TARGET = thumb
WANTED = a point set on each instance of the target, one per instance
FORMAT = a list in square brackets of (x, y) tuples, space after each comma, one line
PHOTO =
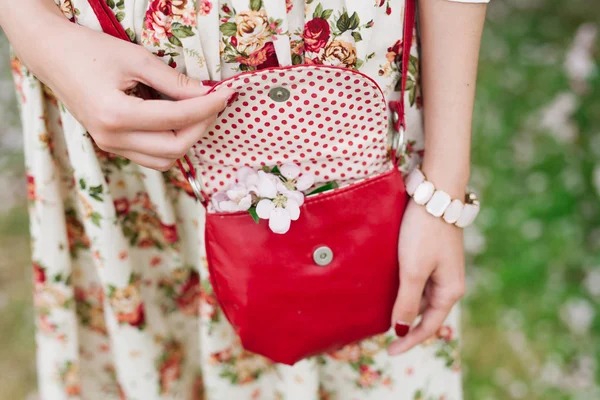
[(160, 76), (408, 303)]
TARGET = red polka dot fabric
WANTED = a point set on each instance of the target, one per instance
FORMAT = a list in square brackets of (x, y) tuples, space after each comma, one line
[(330, 121)]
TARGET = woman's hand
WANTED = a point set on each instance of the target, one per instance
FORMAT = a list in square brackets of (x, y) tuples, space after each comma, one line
[(431, 275), (90, 72)]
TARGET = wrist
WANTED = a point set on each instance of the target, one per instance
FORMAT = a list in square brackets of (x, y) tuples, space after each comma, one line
[(460, 210), (453, 177)]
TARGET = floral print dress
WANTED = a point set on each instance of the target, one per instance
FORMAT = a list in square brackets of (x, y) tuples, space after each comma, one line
[(124, 307)]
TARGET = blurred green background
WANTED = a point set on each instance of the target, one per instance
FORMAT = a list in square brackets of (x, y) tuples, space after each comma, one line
[(531, 324)]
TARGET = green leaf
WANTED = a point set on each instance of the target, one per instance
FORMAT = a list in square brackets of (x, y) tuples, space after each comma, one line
[(326, 14), (96, 218), (82, 183), (354, 21), (121, 4), (324, 188), (131, 34), (228, 29), (255, 5), (318, 11), (409, 84), (173, 40), (357, 36), (343, 23), (297, 59), (275, 170), (253, 214), (110, 3), (182, 31), (120, 16)]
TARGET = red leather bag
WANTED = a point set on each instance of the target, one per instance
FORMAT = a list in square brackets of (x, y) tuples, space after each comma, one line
[(332, 279)]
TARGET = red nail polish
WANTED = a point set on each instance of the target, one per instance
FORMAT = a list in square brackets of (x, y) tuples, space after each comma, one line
[(401, 328), (208, 82), (232, 98)]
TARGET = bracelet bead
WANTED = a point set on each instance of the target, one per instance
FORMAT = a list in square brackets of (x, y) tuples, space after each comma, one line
[(453, 211), (438, 203), (413, 180), (423, 193), (468, 215)]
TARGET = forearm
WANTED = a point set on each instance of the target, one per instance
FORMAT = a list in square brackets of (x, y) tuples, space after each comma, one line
[(450, 41), (32, 26)]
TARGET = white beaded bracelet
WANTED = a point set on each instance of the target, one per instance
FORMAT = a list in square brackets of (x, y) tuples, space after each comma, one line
[(439, 203)]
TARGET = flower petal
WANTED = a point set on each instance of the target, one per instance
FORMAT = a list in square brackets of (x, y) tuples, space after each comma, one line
[(265, 208), (237, 192), (281, 187), (280, 220), (266, 186), (246, 174), (298, 197), (293, 209), (289, 171), (245, 203), (218, 198), (228, 206), (305, 181)]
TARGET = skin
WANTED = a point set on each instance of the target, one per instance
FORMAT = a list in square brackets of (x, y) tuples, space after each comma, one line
[(430, 250), (90, 71)]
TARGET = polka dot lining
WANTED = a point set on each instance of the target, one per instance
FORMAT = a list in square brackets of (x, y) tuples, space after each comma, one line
[(334, 124)]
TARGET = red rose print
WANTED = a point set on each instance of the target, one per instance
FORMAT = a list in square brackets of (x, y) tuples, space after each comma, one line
[(263, 58), (388, 10), (205, 7), (234, 41), (189, 295), (30, 187), (316, 34), (135, 319), (122, 205), (170, 233), (226, 9), (39, 274)]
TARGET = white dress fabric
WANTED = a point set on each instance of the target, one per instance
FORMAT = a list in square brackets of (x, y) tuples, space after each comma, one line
[(124, 307)]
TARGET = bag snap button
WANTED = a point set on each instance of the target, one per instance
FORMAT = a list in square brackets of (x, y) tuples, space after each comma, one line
[(279, 94), (323, 256)]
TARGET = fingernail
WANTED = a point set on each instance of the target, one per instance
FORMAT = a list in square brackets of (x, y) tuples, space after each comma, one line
[(231, 99), (209, 83), (401, 328)]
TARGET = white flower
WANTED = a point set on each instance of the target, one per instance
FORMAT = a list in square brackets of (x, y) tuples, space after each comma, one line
[(247, 176), (291, 173), (236, 198), (280, 211), (267, 185)]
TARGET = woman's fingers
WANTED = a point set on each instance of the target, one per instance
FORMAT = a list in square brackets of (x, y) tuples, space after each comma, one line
[(153, 72), (444, 290), (408, 302), (156, 163), (432, 319), (128, 113), (162, 144)]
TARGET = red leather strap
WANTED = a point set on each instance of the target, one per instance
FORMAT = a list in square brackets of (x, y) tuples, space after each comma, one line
[(409, 27), (110, 25), (399, 106), (107, 19)]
